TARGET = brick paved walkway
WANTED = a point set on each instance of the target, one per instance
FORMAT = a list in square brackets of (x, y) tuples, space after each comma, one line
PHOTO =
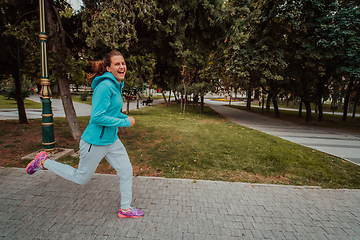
[(44, 206)]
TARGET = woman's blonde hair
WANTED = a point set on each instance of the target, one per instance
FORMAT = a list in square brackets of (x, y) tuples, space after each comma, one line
[(99, 67)]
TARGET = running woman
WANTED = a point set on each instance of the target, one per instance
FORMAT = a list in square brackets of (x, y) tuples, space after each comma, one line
[(100, 139)]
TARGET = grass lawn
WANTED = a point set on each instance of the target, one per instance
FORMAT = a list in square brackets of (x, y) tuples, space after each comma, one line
[(159, 97), (326, 106), (207, 146), (11, 104), (76, 98), (330, 120)]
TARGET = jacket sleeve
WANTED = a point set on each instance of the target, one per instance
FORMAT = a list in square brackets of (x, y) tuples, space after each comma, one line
[(100, 104), (121, 115)]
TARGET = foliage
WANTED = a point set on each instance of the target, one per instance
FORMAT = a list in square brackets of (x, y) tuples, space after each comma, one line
[(140, 71), (111, 24), (297, 48), (84, 95), (17, 42), (189, 31), (9, 90), (306, 49)]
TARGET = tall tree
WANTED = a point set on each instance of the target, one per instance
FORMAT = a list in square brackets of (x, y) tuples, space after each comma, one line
[(16, 17), (341, 39), (60, 50), (188, 33), (256, 54), (110, 25)]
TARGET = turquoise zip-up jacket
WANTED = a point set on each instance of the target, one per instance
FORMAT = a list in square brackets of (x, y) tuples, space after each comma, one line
[(106, 114)]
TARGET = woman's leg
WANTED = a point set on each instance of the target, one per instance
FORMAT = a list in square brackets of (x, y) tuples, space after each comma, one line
[(90, 156), (119, 160)]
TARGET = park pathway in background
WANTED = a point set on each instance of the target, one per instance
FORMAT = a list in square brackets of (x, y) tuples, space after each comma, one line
[(345, 145), (45, 206), (82, 109)]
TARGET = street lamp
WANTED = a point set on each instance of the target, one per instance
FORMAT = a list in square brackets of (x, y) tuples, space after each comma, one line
[(48, 139)]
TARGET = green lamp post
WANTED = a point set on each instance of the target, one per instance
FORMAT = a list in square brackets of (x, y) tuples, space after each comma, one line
[(48, 139)]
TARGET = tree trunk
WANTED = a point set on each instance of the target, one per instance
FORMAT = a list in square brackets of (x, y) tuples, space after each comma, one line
[(164, 98), (268, 100), (169, 96), (300, 108), (257, 94), (347, 98), (128, 98), (319, 93), (18, 90), (185, 101), (201, 103), (276, 108), (356, 101), (59, 45), (308, 110), (176, 100), (287, 100), (262, 103), (69, 109), (320, 107), (182, 102), (248, 101)]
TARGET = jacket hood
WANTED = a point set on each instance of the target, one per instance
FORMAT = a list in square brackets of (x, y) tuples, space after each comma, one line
[(109, 76)]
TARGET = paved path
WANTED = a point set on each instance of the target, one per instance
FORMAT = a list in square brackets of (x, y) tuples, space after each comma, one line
[(58, 110), (44, 206), (342, 144)]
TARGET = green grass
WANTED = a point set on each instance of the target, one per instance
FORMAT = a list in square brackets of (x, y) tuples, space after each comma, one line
[(330, 120), (208, 147), (160, 96), (76, 98), (11, 104), (326, 106)]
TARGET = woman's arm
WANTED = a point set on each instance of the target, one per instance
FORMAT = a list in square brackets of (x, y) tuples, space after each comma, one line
[(100, 103)]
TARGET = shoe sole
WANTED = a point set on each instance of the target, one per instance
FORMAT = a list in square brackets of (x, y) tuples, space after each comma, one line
[(36, 157), (29, 166), (124, 216)]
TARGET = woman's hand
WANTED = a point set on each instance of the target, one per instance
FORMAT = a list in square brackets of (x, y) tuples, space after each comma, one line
[(132, 121)]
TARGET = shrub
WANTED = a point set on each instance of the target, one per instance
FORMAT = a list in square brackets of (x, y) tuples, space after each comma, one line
[(84, 95)]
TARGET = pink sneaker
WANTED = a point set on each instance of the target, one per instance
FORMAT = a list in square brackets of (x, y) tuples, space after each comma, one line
[(35, 164), (133, 213)]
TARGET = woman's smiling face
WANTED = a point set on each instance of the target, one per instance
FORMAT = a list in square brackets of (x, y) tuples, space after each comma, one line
[(117, 67)]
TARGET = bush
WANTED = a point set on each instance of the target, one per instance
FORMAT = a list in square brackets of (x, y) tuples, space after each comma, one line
[(10, 93), (84, 95), (8, 89)]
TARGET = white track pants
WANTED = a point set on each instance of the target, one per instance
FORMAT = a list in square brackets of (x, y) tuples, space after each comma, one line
[(90, 157)]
